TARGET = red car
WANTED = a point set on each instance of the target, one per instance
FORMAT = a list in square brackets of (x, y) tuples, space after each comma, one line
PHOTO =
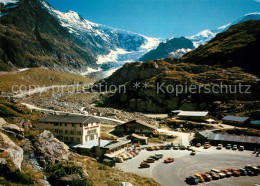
[(162, 147), (234, 172), (156, 148), (132, 153), (144, 165), (169, 160), (206, 177)]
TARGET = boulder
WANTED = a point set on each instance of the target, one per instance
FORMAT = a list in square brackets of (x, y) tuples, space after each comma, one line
[(11, 155), (13, 130), (2, 122), (49, 150), (23, 123)]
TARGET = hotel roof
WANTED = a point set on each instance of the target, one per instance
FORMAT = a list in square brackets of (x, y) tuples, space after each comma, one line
[(75, 119)]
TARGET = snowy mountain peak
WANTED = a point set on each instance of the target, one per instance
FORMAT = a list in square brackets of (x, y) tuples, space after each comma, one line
[(206, 35)]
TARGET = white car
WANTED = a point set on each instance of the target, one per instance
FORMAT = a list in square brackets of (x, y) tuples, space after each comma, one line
[(221, 175), (219, 146), (159, 155)]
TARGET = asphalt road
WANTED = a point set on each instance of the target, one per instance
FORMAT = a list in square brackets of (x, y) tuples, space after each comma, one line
[(185, 165)]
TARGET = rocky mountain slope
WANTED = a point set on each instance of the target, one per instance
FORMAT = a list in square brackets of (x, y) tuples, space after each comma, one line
[(152, 86), (28, 40), (109, 44), (175, 47), (238, 46), (162, 51)]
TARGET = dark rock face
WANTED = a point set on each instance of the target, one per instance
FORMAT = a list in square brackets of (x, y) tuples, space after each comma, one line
[(238, 46), (49, 150), (31, 37), (158, 72), (168, 49)]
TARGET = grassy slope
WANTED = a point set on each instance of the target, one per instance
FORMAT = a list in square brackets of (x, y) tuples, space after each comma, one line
[(40, 77)]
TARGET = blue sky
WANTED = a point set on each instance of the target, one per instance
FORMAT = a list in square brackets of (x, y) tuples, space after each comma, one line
[(160, 18)]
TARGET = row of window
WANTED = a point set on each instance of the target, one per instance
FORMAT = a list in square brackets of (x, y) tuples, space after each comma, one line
[(72, 132), (68, 139), (92, 131), (73, 125)]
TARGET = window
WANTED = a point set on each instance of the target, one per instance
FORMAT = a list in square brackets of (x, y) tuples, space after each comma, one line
[(66, 132), (72, 125), (65, 124), (66, 138), (56, 130), (80, 125), (71, 132), (78, 139), (60, 124), (71, 139), (55, 124), (79, 133), (60, 131)]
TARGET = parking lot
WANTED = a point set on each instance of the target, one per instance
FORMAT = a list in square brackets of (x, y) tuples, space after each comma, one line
[(186, 165)]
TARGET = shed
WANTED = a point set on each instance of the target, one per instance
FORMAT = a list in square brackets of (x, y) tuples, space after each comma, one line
[(235, 120), (193, 115), (135, 138)]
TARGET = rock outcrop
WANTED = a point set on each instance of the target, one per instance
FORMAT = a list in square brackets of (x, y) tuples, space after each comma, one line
[(11, 155), (49, 150)]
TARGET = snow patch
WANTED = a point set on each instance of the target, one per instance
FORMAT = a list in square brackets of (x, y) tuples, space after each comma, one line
[(90, 70), (6, 2)]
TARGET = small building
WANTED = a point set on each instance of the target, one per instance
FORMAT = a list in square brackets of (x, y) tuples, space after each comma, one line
[(135, 138), (99, 148), (249, 142), (235, 120), (135, 126), (255, 124), (71, 128), (193, 115)]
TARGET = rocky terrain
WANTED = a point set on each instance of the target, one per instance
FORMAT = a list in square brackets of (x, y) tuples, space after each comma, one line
[(28, 157), (207, 65), (238, 46), (175, 47), (27, 40)]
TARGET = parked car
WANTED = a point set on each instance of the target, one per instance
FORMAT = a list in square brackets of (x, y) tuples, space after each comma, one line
[(200, 178), (119, 159), (193, 153), (182, 147), (168, 147), (169, 160), (234, 172), (150, 148), (198, 145), (132, 153), (234, 147), (159, 155), (206, 177), (219, 146), (241, 148), (214, 175), (228, 146), (192, 180), (129, 155), (149, 160), (125, 157), (162, 147), (156, 148), (227, 172), (136, 152), (175, 147), (154, 157), (207, 145), (221, 175), (144, 165), (254, 169), (242, 172)]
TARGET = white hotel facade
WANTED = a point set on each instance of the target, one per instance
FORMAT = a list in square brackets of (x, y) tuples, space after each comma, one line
[(71, 128)]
